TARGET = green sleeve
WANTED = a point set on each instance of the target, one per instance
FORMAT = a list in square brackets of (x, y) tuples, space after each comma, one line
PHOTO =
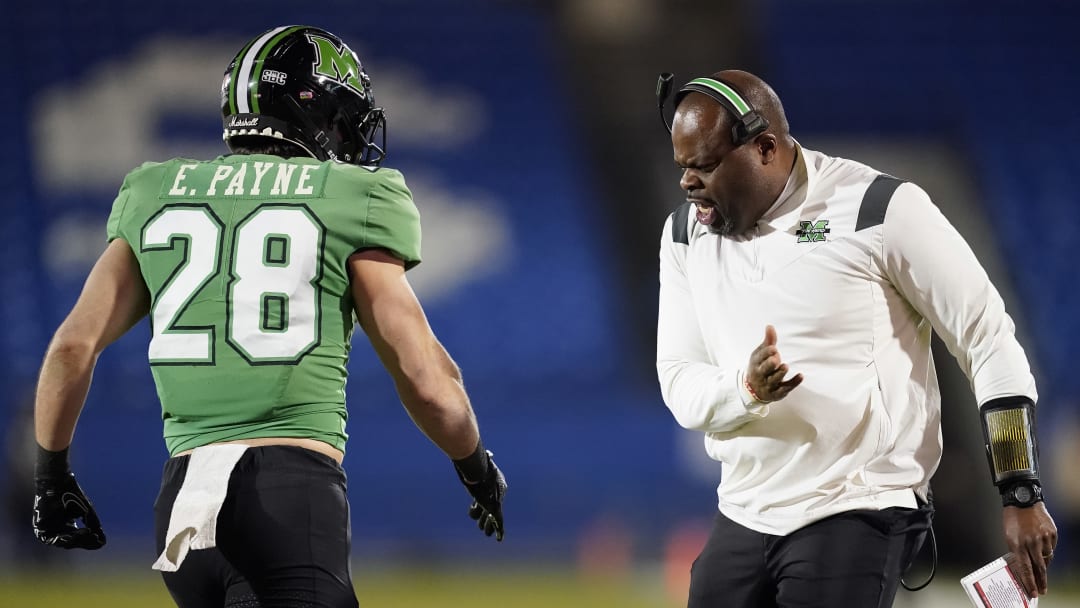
[(115, 225), (393, 221)]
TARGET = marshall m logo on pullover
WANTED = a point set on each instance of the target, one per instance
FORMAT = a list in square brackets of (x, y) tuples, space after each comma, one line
[(812, 232)]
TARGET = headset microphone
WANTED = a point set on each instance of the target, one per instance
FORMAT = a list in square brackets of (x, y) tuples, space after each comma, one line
[(663, 91)]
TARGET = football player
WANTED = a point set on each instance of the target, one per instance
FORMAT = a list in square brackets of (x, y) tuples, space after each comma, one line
[(254, 269)]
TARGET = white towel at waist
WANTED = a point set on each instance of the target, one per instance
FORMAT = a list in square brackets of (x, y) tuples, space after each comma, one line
[(193, 522)]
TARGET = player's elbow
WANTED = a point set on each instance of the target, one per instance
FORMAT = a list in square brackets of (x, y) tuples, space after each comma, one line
[(425, 384), (428, 381), (71, 345), (432, 399), (425, 389)]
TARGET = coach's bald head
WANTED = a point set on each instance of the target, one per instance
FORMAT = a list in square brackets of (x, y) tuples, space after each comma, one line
[(732, 186)]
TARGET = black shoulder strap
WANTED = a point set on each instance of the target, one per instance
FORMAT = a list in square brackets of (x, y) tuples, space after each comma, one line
[(876, 201), (679, 219)]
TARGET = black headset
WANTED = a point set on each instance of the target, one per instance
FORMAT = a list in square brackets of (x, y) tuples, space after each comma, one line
[(748, 123)]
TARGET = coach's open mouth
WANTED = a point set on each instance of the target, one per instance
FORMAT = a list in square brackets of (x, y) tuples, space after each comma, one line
[(706, 212)]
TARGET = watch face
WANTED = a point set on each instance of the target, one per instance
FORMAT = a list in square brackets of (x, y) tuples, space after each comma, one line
[(1023, 494)]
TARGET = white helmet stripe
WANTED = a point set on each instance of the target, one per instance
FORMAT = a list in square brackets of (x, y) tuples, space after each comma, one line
[(240, 87)]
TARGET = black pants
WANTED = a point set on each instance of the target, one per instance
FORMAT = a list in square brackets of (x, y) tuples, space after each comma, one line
[(283, 535), (853, 559)]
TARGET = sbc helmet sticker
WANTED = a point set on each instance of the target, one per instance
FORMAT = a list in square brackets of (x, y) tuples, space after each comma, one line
[(274, 77)]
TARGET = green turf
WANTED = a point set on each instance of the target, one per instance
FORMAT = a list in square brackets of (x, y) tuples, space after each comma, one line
[(441, 588), (414, 588)]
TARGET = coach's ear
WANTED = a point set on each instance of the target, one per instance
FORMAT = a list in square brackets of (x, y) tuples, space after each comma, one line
[(766, 147)]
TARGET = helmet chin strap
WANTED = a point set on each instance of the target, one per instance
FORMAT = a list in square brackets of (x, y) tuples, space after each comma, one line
[(375, 117), (321, 137)]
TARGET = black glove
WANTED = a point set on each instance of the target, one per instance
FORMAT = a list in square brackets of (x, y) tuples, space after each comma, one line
[(487, 493), (59, 502)]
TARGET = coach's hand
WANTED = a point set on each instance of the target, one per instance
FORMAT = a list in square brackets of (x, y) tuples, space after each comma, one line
[(1031, 536), (487, 492), (59, 503), (765, 372)]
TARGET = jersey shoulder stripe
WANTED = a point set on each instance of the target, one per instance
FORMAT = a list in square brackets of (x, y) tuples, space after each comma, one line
[(875, 201), (680, 230)]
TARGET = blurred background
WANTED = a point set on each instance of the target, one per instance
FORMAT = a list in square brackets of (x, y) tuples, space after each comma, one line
[(529, 134)]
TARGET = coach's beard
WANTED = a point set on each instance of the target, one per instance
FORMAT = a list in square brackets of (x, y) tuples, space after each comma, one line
[(723, 226), (709, 215)]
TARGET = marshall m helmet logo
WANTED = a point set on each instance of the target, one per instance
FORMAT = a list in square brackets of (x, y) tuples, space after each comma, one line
[(812, 232), (335, 63)]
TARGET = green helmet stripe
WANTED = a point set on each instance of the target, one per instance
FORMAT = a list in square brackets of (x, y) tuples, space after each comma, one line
[(728, 93), (235, 73), (258, 66), (242, 81)]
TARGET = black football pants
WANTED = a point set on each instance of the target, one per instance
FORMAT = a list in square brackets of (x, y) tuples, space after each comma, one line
[(283, 535), (851, 559)]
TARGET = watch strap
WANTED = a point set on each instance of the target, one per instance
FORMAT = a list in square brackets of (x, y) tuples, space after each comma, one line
[(1009, 498)]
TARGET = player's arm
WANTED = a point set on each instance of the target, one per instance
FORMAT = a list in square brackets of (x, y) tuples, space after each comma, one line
[(427, 379), (936, 271), (113, 299), (700, 395)]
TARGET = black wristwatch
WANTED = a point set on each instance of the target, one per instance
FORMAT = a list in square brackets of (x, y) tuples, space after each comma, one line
[(1022, 494)]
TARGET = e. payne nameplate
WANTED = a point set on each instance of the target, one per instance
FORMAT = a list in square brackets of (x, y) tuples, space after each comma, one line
[(995, 586)]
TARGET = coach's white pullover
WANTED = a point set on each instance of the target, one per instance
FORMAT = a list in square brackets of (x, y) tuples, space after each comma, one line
[(853, 268)]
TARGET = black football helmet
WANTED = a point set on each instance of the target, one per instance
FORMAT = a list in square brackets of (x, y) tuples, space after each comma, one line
[(303, 85)]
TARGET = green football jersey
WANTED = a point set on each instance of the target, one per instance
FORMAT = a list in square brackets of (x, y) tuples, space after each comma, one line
[(251, 312)]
